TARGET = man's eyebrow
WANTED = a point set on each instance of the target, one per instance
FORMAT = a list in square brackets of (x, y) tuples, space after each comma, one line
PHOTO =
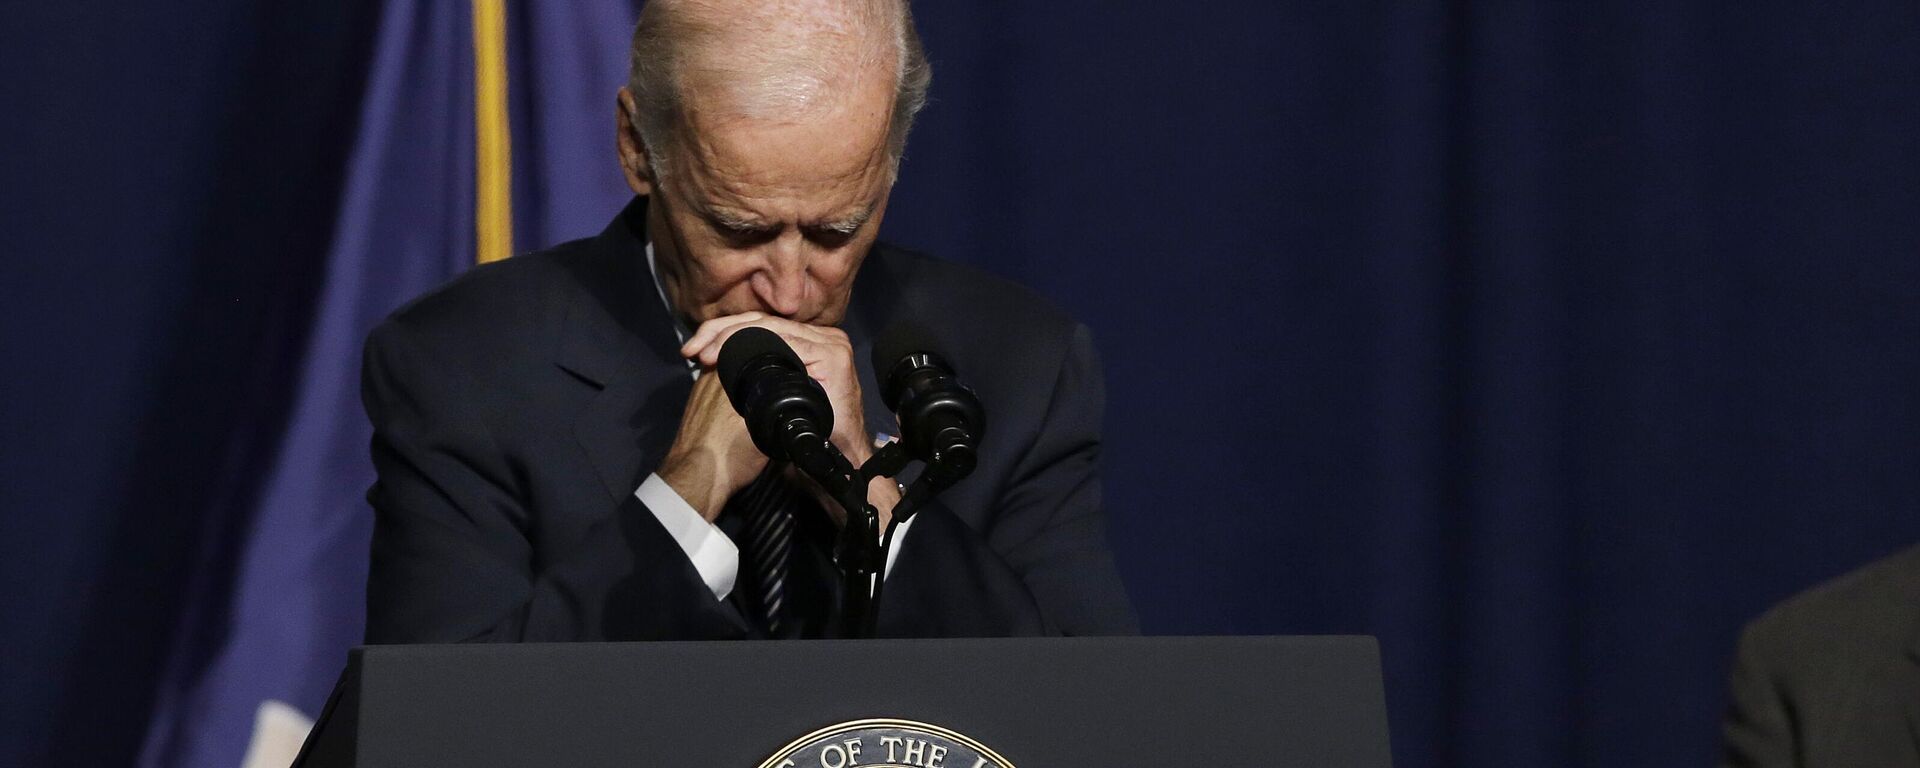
[(850, 223), (727, 218)]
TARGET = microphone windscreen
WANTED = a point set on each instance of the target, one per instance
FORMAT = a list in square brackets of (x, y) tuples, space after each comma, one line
[(743, 347)]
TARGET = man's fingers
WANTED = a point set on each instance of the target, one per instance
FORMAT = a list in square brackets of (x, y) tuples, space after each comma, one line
[(713, 334), (711, 329), (715, 330), (709, 353)]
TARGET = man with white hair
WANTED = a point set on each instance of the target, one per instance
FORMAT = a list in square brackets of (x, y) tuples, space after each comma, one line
[(553, 465)]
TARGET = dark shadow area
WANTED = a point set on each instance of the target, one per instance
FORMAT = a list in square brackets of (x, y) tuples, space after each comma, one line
[(271, 134)]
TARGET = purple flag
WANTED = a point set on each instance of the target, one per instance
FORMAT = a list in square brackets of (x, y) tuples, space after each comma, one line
[(257, 657), (279, 632), (568, 60)]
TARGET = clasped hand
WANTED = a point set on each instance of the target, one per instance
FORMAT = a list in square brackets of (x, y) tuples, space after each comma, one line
[(713, 456)]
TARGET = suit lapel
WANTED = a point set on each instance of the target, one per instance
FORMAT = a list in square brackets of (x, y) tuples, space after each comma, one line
[(618, 338), (628, 426)]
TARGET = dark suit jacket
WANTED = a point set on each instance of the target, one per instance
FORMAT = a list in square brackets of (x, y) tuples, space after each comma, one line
[(516, 410), (1832, 676)]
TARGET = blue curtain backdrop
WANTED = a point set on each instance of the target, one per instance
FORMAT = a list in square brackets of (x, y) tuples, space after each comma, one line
[(1548, 342)]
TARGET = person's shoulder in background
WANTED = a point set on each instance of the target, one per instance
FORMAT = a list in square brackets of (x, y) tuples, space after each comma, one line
[(1875, 608), (1831, 675)]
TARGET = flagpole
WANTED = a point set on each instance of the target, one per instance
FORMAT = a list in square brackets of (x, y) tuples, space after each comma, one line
[(493, 156)]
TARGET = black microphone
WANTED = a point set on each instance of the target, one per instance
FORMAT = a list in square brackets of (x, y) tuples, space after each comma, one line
[(941, 420), (787, 412), (791, 419)]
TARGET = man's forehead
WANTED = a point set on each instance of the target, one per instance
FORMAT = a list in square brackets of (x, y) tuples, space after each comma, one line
[(833, 169)]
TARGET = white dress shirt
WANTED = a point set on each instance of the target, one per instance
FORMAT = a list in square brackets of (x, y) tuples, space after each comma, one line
[(713, 554)]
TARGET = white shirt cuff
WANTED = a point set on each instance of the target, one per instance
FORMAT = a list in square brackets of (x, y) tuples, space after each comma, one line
[(713, 554), (899, 538)]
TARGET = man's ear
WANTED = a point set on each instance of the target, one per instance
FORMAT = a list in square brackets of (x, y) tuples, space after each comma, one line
[(633, 154)]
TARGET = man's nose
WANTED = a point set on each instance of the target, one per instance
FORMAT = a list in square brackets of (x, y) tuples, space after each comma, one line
[(784, 282)]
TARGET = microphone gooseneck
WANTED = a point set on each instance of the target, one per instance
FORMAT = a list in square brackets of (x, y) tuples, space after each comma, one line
[(941, 423)]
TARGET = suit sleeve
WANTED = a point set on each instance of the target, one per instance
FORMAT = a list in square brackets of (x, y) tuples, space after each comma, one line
[(1043, 566), (452, 560), (1758, 731)]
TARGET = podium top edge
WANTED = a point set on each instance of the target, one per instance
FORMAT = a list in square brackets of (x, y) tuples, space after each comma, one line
[(1168, 642)]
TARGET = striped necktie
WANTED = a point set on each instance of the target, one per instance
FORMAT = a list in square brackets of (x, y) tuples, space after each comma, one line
[(766, 506)]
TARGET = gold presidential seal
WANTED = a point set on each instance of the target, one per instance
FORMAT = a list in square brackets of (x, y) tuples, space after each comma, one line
[(885, 743)]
